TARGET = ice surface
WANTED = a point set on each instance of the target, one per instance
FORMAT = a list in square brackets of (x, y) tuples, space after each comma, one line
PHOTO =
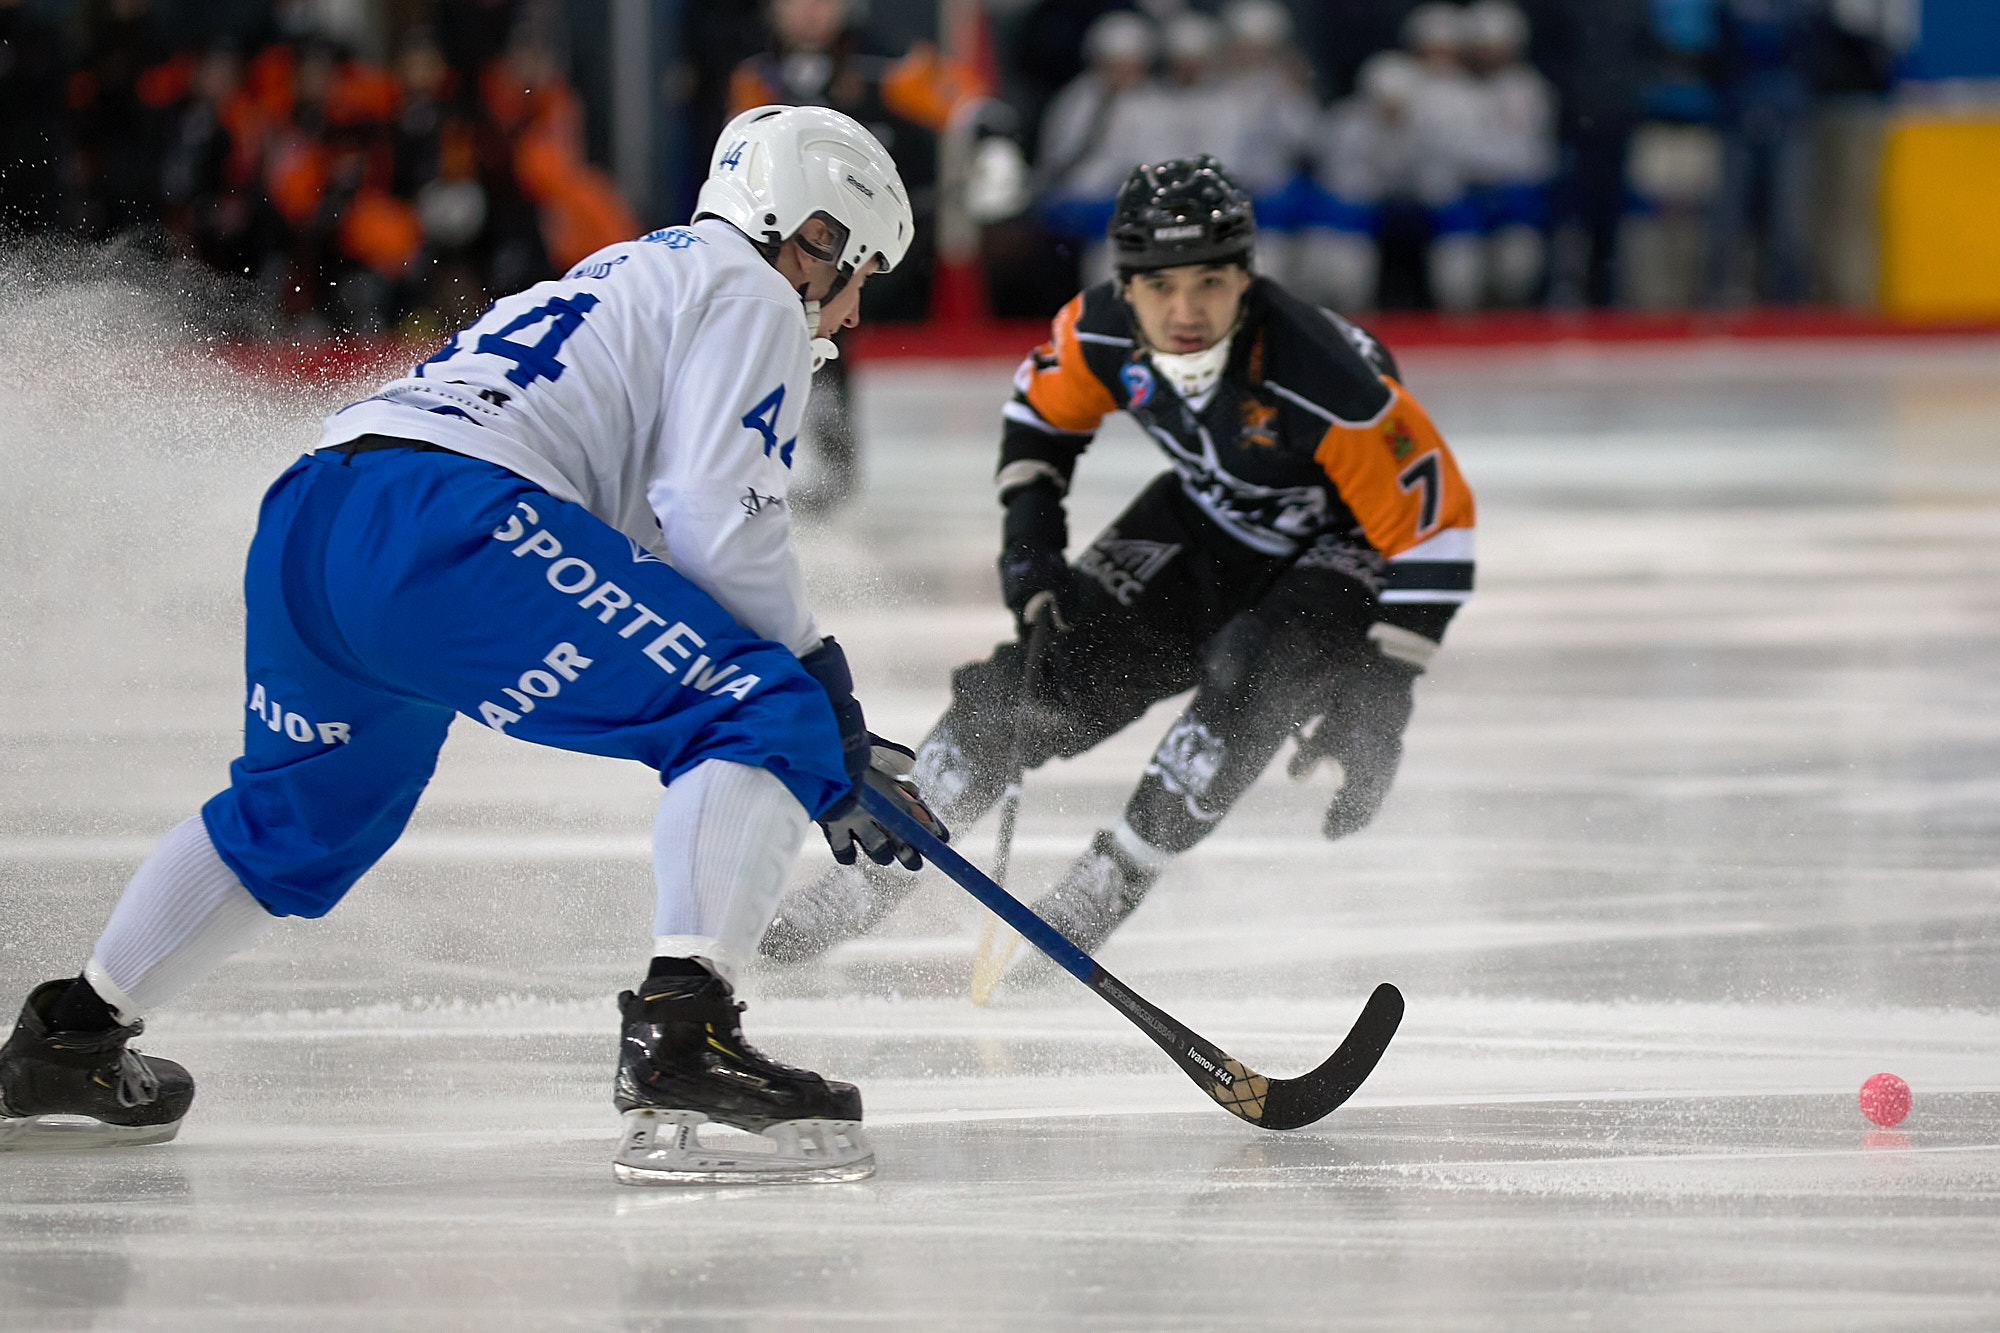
[(1697, 830)]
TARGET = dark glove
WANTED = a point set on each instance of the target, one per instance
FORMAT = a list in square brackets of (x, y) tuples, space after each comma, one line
[(1362, 731), (1031, 552), (847, 825), (827, 664)]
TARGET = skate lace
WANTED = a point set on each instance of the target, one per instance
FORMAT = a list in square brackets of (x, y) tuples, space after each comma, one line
[(732, 1031), (137, 1084)]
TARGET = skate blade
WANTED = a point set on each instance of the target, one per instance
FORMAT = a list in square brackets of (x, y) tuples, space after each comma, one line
[(77, 1133), (659, 1147)]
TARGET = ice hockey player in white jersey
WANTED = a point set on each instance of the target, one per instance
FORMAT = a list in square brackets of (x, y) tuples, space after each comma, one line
[(570, 524)]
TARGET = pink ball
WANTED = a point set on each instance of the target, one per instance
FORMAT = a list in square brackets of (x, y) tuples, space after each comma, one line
[(1885, 1099)]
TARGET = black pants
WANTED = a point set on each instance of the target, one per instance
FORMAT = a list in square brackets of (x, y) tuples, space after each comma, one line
[(1159, 596)]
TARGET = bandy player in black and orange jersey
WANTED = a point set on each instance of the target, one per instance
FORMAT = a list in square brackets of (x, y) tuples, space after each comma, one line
[(1296, 567)]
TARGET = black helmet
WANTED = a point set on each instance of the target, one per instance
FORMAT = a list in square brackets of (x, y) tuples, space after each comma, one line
[(1185, 211)]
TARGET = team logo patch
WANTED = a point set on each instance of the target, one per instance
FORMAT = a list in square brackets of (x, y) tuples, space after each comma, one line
[(1260, 430), (674, 238), (1187, 763), (1125, 565), (1138, 380)]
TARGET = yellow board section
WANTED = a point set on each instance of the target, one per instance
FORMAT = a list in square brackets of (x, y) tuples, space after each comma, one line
[(1941, 217)]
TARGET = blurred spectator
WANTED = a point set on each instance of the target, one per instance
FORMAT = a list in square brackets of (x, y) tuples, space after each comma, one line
[(1393, 178), (1114, 116), (1273, 121), (1860, 44), (1109, 112), (1514, 153), (1203, 113), (816, 59), (208, 169), (1445, 111), (578, 209), (1760, 238), (1047, 47), (34, 143), (437, 167), (1601, 56), (117, 161)]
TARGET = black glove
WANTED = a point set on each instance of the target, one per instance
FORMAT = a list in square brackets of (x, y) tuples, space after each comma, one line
[(847, 825), (1031, 552), (827, 664), (1362, 730)]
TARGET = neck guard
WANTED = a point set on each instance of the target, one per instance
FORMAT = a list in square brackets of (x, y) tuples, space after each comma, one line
[(1195, 374)]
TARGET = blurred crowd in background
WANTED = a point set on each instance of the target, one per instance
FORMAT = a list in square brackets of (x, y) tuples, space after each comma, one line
[(377, 165), (349, 194), (1488, 154)]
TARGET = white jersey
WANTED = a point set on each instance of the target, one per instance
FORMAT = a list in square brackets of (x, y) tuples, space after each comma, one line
[(660, 384)]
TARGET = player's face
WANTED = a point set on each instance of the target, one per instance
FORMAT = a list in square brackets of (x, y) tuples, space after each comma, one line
[(1189, 308), (844, 310)]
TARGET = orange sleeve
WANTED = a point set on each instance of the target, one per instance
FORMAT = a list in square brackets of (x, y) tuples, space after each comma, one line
[(925, 88), (747, 90), (1057, 382), (1397, 475), (165, 84)]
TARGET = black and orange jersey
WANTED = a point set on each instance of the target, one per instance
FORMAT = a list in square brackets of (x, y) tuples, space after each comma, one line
[(1309, 447)]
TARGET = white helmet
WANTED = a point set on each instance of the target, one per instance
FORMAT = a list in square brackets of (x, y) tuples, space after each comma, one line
[(776, 166)]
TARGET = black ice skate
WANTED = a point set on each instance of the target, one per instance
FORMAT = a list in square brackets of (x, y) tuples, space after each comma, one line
[(684, 1063), (841, 904), (63, 1090)]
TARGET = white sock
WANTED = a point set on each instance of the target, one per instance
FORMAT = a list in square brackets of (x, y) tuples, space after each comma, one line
[(723, 842), (181, 916)]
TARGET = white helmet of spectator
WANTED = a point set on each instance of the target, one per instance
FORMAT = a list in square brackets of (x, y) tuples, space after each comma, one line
[(1434, 27), (1389, 78), (776, 166), (1496, 25), (1263, 25), (1193, 38), (1121, 37)]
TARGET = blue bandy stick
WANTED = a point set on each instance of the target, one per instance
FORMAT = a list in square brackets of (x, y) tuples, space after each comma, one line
[(1271, 1103)]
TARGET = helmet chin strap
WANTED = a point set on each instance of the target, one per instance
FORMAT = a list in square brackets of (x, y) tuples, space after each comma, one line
[(823, 349)]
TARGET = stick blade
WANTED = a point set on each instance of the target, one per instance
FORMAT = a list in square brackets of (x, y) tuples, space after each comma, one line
[(1292, 1103)]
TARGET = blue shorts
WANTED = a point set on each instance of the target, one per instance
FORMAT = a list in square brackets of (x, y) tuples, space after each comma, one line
[(387, 591)]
